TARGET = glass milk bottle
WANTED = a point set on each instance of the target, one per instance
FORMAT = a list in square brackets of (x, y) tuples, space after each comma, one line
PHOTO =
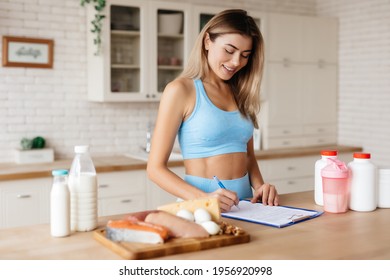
[(321, 163), (363, 193), (83, 191), (60, 204)]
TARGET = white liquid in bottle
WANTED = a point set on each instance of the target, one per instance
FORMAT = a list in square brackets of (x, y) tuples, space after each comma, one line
[(83, 191), (83, 202), (60, 205)]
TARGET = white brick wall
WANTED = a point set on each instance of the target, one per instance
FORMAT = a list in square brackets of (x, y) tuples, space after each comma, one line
[(364, 74), (53, 102)]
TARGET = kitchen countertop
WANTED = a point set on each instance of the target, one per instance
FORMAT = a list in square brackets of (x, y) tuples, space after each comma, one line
[(351, 235), (13, 171)]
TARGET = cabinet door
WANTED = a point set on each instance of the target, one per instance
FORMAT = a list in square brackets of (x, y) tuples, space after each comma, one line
[(157, 196), (169, 27), (24, 202), (284, 36), (121, 205), (120, 71), (284, 97), (201, 15), (320, 40), (121, 192), (289, 174), (319, 94)]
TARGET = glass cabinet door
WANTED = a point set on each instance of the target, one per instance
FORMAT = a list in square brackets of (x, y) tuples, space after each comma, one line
[(170, 30), (170, 46), (125, 34)]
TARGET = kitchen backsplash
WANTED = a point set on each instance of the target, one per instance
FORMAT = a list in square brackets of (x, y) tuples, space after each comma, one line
[(53, 102)]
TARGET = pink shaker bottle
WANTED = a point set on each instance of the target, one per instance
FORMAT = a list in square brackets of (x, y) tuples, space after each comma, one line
[(335, 177)]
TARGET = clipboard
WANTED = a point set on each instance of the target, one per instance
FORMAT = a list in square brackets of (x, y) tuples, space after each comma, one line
[(275, 216)]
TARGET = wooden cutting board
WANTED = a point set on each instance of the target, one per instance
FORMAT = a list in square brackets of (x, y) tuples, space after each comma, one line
[(139, 251)]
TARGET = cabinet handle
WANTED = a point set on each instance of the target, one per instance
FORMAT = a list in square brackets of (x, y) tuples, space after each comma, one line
[(286, 131), (286, 62), (126, 201), (103, 186), (23, 196), (290, 168), (321, 63), (291, 182), (286, 142)]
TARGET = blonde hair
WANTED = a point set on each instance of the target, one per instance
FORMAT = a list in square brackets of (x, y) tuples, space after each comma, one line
[(245, 84)]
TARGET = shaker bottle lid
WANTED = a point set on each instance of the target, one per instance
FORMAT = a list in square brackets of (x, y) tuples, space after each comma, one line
[(335, 169), (362, 155), (329, 153), (81, 149), (59, 172)]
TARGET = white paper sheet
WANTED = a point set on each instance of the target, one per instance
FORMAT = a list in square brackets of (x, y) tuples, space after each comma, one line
[(278, 216)]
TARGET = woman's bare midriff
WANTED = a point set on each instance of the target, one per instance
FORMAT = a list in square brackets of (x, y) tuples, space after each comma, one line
[(226, 166)]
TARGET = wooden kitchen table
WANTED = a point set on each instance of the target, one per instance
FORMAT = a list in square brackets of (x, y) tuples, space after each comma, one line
[(352, 235)]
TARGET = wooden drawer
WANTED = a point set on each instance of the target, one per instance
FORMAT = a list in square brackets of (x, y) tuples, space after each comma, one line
[(282, 131), (324, 129), (121, 183), (276, 169), (283, 142), (24, 202), (320, 140), (294, 185), (121, 205)]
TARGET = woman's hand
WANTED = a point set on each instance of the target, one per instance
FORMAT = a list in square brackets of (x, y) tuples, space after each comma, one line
[(267, 194), (227, 199)]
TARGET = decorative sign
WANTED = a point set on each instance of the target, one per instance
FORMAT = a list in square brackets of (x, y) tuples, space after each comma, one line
[(27, 52)]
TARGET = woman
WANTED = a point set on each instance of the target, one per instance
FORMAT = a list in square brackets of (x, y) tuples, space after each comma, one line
[(212, 107)]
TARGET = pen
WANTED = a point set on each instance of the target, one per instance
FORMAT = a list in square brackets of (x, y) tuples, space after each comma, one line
[(222, 186)]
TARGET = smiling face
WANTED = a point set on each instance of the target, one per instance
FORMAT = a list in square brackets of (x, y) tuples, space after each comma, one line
[(227, 53)]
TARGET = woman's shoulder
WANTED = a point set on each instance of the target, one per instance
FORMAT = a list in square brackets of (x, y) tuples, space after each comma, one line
[(181, 85), (181, 93)]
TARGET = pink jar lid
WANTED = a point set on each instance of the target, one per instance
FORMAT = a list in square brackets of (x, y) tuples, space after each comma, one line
[(362, 155), (329, 153), (335, 169)]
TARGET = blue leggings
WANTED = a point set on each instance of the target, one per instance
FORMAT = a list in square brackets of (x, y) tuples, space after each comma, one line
[(241, 186)]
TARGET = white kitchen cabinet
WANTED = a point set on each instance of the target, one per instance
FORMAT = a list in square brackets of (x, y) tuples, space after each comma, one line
[(289, 174), (295, 174), (300, 100), (139, 53), (284, 38), (121, 192), (24, 202), (295, 38), (157, 196)]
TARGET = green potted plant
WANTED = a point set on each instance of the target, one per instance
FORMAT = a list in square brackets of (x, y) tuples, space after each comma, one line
[(97, 22)]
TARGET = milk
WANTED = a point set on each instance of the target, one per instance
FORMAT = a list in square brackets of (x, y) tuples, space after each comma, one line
[(60, 205), (83, 209)]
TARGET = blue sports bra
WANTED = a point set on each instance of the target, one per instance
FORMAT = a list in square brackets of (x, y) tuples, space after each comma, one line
[(210, 131)]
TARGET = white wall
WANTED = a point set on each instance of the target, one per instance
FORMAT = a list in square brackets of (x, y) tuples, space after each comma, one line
[(53, 102), (364, 74)]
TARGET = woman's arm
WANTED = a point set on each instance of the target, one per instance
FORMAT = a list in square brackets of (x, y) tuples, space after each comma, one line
[(266, 192), (174, 105)]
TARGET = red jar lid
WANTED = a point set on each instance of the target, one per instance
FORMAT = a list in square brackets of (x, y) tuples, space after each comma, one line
[(362, 155), (329, 153)]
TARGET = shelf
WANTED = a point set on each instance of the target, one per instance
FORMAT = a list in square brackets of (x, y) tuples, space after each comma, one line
[(170, 67), (130, 33), (125, 66), (171, 36)]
